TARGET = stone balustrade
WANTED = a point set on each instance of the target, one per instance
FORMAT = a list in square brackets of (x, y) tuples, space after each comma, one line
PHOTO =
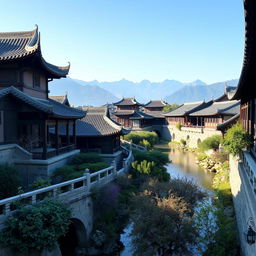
[(67, 190), (249, 165), (133, 145)]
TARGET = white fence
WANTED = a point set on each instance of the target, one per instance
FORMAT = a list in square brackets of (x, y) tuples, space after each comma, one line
[(63, 190)]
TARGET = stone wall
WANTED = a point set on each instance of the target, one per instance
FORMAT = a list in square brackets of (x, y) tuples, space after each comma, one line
[(244, 198), (192, 135), (32, 169)]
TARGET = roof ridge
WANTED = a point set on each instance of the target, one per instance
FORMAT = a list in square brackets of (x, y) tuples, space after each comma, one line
[(195, 102)]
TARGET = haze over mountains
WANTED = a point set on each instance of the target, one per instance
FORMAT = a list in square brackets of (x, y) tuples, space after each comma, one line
[(99, 93)]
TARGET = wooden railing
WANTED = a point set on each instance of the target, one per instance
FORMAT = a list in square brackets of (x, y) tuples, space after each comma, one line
[(63, 190), (131, 145)]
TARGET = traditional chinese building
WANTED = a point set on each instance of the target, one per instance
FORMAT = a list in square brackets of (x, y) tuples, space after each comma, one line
[(96, 132), (154, 106), (63, 99), (182, 114), (216, 113), (26, 110)]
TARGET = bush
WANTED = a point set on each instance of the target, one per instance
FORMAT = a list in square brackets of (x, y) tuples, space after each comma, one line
[(212, 142), (201, 157), (169, 108), (145, 144), (40, 183), (149, 168), (9, 181), (67, 172), (178, 126), (86, 158), (151, 156), (138, 136), (36, 227), (236, 139), (93, 167), (183, 142)]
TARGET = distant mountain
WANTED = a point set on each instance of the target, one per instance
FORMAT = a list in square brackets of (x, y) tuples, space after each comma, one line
[(199, 92), (99, 93), (81, 94), (143, 91)]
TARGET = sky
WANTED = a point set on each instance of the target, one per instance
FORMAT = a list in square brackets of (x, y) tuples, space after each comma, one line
[(109, 40)]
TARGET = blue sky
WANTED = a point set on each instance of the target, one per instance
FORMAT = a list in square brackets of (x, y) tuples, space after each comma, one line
[(156, 40)]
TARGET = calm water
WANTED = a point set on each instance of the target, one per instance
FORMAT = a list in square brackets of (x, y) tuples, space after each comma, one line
[(183, 166)]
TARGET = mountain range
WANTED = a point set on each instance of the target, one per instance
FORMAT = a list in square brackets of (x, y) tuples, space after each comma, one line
[(97, 93)]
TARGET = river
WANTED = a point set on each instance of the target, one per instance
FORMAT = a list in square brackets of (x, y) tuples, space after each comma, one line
[(183, 165)]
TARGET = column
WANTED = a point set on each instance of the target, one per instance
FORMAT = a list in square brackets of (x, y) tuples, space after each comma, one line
[(67, 133), (44, 139), (57, 136), (74, 132)]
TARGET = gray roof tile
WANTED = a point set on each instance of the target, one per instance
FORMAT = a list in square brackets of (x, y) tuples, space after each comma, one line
[(50, 107), (18, 45), (155, 104), (186, 108), (222, 107), (127, 102)]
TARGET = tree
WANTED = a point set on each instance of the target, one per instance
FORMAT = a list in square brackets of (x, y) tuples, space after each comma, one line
[(169, 108), (36, 227), (236, 139), (162, 218)]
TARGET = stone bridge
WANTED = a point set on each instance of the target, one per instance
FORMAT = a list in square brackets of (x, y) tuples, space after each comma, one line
[(76, 193)]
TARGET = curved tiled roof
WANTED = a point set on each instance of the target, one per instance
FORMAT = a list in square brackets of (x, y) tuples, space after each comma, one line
[(127, 102), (123, 112), (222, 107), (50, 107), (60, 98), (18, 45), (15, 45), (95, 123), (246, 85), (228, 123), (155, 104), (187, 108)]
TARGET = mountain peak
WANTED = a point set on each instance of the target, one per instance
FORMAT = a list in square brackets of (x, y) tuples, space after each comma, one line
[(197, 82)]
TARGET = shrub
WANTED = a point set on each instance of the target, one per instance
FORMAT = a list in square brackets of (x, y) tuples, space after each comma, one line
[(138, 136), (183, 142), (151, 156), (86, 158), (145, 143), (9, 181), (36, 227), (40, 183), (149, 168), (212, 142), (93, 167), (178, 126), (236, 139), (169, 108), (201, 157), (67, 172)]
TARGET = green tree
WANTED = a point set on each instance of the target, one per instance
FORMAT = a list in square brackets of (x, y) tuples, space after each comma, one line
[(36, 227), (236, 139), (170, 107), (212, 142)]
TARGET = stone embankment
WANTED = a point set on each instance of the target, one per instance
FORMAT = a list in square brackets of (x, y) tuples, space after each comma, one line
[(210, 164)]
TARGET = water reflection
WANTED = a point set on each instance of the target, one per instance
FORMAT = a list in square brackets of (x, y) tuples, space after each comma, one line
[(184, 165)]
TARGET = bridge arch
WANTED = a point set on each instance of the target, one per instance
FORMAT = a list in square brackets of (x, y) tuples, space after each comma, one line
[(76, 237)]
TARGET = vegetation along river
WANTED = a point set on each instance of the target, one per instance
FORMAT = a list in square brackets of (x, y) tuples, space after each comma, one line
[(183, 165)]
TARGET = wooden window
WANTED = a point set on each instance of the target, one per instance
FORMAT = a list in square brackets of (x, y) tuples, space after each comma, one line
[(36, 80)]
